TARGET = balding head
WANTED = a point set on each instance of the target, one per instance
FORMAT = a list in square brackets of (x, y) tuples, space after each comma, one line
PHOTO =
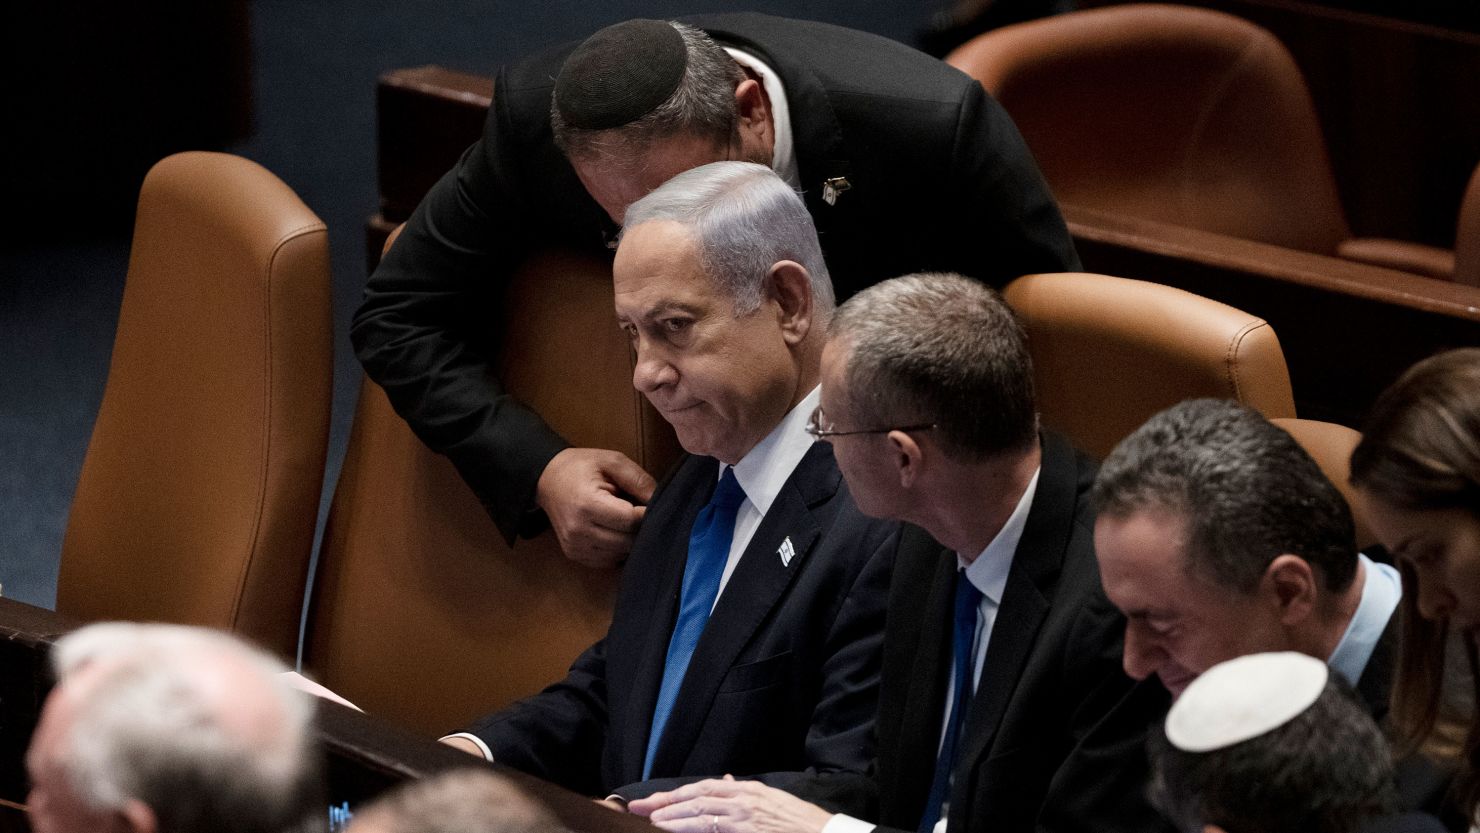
[(168, 728)]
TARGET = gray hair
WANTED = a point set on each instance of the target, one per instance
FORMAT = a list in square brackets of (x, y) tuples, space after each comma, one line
[(744, 219), (703, 104), (1247, 490), (942, 349), (154, 727), (462, 801), (1324, 771)]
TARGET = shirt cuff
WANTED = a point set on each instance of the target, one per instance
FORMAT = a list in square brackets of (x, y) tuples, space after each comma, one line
[(841, 823), (476, 741)]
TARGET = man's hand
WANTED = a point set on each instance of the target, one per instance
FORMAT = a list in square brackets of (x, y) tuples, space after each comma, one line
[(730, 806), (586, 492)]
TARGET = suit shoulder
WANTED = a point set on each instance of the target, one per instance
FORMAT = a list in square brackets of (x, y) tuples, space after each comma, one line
[(847, 62)]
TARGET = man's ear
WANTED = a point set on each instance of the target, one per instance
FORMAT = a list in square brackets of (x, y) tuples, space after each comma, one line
[(1289, 582), (753, 121), (138, 817), (908, 456), (1213, 828), (789, 285)]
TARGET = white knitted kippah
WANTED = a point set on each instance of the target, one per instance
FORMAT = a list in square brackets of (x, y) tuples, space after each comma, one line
[(1244, 698)]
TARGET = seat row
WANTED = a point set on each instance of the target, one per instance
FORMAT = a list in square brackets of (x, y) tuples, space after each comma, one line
[(200, 489)]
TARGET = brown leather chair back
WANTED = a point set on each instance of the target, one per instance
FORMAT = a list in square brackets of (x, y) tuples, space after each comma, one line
[(1467, 235), (1108, 353), (1167, 113), (200, 488), (421, 614), (1332, 445)]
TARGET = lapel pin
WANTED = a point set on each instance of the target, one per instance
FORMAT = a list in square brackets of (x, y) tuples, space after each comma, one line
[(832, 187), (786, 551)]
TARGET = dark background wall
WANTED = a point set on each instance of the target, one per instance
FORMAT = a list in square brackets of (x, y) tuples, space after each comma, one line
[(88, 87)]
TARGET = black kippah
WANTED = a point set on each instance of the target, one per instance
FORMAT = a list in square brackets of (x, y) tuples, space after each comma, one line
[(620, 74)]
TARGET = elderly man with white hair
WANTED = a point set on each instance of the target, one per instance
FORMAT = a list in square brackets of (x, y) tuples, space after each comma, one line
[(168, 729)]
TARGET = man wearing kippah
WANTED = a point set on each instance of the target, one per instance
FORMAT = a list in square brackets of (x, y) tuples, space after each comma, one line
[(905, 165), (1219, 536), (1275, 743)]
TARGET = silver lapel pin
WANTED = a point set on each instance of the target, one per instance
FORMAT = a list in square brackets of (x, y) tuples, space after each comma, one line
[(832, 187)]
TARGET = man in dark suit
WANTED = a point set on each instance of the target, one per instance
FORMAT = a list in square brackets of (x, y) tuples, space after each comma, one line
[(1218, 536), (747, 630), (905, 163), (1003, 705)]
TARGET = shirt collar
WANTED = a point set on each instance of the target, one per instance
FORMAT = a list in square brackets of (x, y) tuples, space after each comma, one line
[(989, 571), (1381, 590), (783, 153), (765, 468)]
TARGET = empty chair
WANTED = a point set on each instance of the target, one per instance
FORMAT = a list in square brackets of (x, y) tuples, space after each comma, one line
[(420, 612), (1467, 235), (1110, 352), (1460, 264), (201, 484), (1331, 446), (1168, 113)]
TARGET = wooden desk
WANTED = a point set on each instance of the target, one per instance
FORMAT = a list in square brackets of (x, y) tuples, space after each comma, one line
[(1348, 330), (365, 756)]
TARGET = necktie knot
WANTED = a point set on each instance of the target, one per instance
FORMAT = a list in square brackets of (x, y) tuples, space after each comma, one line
[(727, 495), (967, 598)]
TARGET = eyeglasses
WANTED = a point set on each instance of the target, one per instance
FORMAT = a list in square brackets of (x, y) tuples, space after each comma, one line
[(814, 427)]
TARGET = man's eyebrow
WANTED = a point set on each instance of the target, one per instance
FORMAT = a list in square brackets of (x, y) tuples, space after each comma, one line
[(664, 308)]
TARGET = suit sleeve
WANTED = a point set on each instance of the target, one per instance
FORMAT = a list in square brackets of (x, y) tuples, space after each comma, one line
[(1008, 223), (839, 743), (557, 734), (1101, 785), (422, 331)]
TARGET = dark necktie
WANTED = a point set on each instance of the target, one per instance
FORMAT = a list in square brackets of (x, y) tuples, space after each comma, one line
[(709, 549), (968, 600)]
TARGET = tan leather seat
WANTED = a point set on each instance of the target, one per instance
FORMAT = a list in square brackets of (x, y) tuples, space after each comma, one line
[(201, 484), (1108, 353), (1168, 113), (421, 614), (1467, 235), (1331, 446)]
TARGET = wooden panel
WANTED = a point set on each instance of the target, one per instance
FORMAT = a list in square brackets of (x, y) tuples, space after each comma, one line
[(426, 117), (1348, 330)]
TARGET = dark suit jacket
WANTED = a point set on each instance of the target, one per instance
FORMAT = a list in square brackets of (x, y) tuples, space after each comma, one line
[(784, 681), (1055, 740), (940, 180)]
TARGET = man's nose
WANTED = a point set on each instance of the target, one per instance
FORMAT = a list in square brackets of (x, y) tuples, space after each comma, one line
[(652, 371), (1141, 656)]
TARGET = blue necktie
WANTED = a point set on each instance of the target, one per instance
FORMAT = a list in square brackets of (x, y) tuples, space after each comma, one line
[(968, 600), (709, 549)]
